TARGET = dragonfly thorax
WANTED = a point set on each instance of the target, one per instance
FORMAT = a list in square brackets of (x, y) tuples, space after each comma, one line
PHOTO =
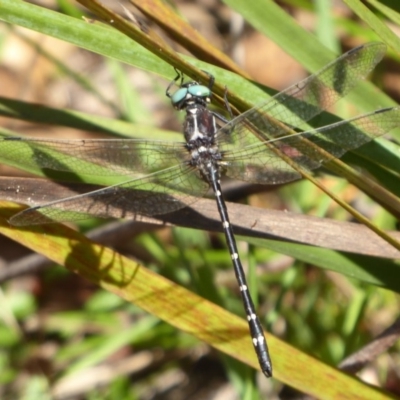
[(200, 128), (199, 123)]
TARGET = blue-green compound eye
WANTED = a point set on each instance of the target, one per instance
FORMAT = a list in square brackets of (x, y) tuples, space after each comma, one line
[(179, 95), (199, 91), (193, 91)]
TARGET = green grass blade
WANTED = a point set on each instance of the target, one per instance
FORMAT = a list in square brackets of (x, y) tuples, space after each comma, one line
[(79, 120), (372, 270), (95, 37), (375, 23), (389, 12)]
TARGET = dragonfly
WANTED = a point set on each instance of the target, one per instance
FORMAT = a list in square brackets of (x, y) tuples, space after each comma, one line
[(264, 145)]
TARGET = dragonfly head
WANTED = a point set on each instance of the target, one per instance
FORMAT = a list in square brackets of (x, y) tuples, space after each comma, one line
[(191, 93)]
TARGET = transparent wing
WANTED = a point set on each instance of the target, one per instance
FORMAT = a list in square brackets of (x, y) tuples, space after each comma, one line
[(158, 193), (304, 100), (261, 163), (104, 157)]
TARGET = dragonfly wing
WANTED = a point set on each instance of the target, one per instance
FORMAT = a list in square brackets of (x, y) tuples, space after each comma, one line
[(304, 100), (273, 161), (159, 193), (262, 164), (100, 157)]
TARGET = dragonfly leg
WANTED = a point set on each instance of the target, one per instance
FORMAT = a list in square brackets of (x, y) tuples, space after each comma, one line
[(179, 75)]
